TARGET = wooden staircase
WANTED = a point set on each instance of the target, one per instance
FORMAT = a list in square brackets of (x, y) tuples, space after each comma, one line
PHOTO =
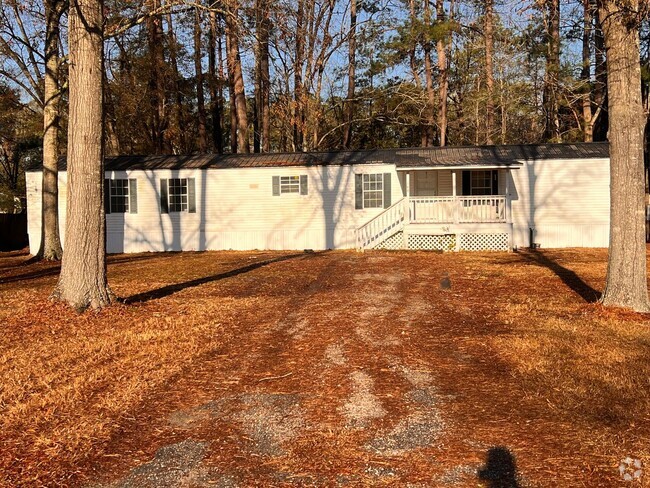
[(383, 226)]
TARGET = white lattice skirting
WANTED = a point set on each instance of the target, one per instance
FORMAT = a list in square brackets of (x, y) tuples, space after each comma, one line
[(396, 241), (484, 242), (447, 242)]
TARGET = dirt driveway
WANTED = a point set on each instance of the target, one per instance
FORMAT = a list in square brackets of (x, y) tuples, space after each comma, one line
[(345, 369)]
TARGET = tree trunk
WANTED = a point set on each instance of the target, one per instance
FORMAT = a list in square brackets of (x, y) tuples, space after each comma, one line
[(113, 147), (236, 78), (441, 48), (50, 248), (489, 69), (82, 282), (261, 123), (156, 80), (551, 95), (600, 86), (626, 284), (429, 131), (178, 96), (298, 117), (414, 43), (265, 79), (200, 99), (214, 83), (352, 65), (257, 81), (585, 74)]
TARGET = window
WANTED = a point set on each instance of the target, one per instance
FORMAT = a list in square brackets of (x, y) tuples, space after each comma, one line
[(373, 191), (120, 196), (481, 183), (296, 184), (289, 184), (178, 195)]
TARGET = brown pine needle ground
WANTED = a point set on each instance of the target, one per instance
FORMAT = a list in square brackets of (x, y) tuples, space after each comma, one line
[(324, 369)]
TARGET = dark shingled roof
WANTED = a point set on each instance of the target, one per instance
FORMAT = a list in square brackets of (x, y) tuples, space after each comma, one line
[(402, 158)]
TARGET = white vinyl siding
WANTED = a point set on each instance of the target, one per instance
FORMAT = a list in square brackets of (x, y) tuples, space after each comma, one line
[(565, 202), (235, 209)]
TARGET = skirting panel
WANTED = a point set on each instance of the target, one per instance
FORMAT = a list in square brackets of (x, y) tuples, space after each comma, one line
[(484, 242), (446, 242), (396, 241)]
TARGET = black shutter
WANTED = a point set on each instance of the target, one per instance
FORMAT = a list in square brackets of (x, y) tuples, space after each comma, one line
[(358, 191), (387, 190), (164, 200), (276, 186), (303, 185), (133, 196), (467, 183), (495, 182), (191, 195), (107, 196)]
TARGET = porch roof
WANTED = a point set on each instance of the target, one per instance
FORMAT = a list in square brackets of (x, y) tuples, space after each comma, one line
[(497, 156), (408, 158)]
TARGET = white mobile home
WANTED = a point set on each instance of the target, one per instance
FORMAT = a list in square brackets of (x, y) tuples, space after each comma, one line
[(451, 198)]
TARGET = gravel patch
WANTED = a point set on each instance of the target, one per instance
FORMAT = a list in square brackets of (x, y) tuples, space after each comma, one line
[(299, 328), (335, 354), (363, 405), (175, 465), (370, 339), (461, 474), (413, 432), (417, 378), (381, 471), (271, 420)]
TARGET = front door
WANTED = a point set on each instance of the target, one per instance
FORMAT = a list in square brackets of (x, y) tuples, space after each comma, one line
[(425, 183)]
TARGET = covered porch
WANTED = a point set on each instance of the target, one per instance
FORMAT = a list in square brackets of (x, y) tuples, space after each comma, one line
[(456, 195)]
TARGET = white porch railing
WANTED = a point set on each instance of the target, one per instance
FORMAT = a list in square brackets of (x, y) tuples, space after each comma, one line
[(382, 226), (465, 209)]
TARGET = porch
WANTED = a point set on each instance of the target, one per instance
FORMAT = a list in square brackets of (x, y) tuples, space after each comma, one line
[(457, 209), (449, 209)]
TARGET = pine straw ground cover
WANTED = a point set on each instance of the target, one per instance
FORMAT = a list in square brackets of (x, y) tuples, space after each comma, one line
[(324, 369)]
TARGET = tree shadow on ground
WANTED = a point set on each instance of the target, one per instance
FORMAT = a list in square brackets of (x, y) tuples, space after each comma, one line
[(176, 287), (568, 277), (500, 470), (53, 268)]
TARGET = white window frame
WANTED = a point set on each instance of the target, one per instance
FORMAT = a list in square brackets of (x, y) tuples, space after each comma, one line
[(290, 185), (367, 190), (183, 204), (112, 184)]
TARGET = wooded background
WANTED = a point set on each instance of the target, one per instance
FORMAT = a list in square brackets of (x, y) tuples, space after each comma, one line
[(298, 75)]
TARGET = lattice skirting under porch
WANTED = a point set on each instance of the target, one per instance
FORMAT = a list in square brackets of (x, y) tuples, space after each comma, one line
[(396, 241), (447, 242), (484, 242)]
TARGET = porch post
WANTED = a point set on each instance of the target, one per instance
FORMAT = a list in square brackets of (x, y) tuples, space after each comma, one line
[(507, 173), (407, 212), (453, 194)]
